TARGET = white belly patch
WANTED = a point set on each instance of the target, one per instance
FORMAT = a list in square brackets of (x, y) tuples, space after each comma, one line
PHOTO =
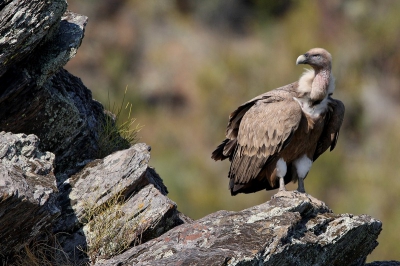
[(281, 168), (303, 165)]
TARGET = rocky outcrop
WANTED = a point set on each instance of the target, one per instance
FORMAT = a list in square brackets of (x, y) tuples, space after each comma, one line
[(28, 191), (37, 96), (291, 229), (114, 203), (118, 199), (25, 25)]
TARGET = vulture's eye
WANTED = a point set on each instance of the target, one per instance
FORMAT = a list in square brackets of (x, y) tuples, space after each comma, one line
[(317, 56)]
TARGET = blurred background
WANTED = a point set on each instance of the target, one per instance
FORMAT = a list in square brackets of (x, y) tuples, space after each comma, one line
[(188, 64)]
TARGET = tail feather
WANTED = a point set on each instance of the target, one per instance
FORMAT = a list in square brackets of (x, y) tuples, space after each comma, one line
[(230, 147), (224, 150)]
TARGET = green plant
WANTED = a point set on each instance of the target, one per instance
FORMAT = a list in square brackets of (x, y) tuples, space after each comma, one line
[(114, 132)]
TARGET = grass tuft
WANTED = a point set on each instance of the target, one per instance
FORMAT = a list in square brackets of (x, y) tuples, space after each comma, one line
[(44, 252), (115, 133), (108, 229)]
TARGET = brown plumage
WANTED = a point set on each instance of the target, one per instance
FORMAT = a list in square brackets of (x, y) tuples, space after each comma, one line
[(274, 138)]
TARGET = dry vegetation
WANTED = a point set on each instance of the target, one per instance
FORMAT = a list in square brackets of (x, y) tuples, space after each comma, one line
[(43, 251), (108, 230), (115, 126), (188, 64)]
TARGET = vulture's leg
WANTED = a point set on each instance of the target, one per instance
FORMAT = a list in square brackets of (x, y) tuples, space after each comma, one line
[(303, 165), (282, 184), (281, 169), (301, 188)]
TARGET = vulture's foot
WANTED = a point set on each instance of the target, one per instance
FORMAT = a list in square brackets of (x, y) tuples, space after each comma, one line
[(283, 194)]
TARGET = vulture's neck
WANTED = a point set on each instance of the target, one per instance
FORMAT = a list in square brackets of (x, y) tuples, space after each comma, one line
[(313, 90), (320, 84)]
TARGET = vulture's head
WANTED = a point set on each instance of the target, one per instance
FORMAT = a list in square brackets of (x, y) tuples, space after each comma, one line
[(318, 58)]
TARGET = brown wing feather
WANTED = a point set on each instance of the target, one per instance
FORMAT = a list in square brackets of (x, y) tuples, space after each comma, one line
[(227, 147), (224, 150), (237, 115), (330, 134), (218, 153), (264, 131)]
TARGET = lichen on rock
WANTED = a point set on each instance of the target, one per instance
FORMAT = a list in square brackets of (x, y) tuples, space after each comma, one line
[(28, 189)]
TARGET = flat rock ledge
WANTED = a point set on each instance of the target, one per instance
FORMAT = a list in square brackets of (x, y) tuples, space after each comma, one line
[(290, 229)]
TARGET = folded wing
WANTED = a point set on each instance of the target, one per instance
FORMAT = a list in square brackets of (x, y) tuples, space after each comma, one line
[(330, 134), (227, 148), (265, 129)]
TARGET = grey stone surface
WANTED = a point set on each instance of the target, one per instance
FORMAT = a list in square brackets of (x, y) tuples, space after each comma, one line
[(291, 229), (122, 172), (37, 97), (28, 189), (61, 113), (113, 203), (24, 24), (58, 50)]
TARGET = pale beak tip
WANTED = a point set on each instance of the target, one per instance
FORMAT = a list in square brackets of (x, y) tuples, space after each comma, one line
[(301, 59)]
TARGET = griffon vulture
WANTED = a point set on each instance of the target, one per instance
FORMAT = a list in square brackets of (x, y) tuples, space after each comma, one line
[(275, 137)]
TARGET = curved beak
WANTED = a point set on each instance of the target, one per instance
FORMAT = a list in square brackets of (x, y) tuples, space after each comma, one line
[(302, 59)]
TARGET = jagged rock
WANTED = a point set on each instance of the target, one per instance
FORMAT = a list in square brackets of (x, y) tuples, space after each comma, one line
[(291, 229), (71, 122), (114, 203), (36, 96), (28, 190), (45, 61), (24, 24), (62, 114)]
